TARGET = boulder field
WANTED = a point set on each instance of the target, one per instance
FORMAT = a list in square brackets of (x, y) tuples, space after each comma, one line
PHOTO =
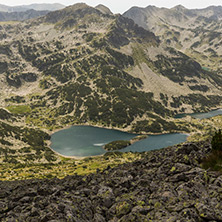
[(166, 185)]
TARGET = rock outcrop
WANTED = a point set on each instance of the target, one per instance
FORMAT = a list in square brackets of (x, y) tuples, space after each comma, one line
[(167, 185)]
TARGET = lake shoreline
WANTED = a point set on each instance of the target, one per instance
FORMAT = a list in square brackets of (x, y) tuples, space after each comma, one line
[(69, 157), (184, 115), (126, 130), (79, 151), (115, 128)]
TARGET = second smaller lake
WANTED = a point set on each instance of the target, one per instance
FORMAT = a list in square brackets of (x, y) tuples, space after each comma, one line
[(153, 142), (201, 115)]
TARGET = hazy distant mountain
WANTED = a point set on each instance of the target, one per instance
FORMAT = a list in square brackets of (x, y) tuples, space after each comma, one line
[(196, 32), (151, 16), (37, 7), (20, 16)]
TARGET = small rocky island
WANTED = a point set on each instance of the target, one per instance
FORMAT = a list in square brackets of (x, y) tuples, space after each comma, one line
[(120, 144), (117, 145)]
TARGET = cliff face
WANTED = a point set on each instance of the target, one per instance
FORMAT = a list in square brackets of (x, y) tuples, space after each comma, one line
[(165, 184)]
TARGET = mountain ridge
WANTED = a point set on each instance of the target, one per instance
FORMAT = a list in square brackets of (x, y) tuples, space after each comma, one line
[(37, 7), (195, 32), (21, 16)]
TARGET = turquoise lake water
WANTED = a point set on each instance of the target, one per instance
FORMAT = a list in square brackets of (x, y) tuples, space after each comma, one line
[(201, 115), (82, 141)]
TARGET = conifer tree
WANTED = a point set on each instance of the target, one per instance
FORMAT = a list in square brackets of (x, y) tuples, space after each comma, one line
[(217, 141)]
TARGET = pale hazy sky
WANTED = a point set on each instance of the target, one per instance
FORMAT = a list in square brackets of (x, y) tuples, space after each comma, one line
[(120, 6)]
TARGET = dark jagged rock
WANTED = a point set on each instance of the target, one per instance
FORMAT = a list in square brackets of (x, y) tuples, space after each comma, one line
[(167, 184)]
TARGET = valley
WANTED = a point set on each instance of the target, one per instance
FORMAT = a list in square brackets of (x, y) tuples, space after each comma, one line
[(86, 66), (110, 117)]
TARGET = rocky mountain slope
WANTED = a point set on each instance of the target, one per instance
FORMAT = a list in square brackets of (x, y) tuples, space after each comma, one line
[(37, 7), (84, 65), (20, 16), (195, 32), (166, 185), (103, 9)]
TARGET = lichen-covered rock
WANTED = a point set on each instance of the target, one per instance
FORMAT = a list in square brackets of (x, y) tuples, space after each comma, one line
[(163, 186)]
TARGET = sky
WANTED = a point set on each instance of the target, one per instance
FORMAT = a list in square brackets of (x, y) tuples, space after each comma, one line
[(120, 6)]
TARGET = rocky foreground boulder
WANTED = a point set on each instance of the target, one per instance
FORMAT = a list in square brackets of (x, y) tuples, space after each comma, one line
[(167, 185)]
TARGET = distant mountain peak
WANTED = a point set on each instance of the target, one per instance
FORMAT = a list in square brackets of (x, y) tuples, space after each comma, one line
[(179, 8), (79, 6), (71, 14), (103, 9), (151, 6)]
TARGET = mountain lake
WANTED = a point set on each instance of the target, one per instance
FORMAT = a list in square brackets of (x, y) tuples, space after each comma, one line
[(83, 141), (201, 115)]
